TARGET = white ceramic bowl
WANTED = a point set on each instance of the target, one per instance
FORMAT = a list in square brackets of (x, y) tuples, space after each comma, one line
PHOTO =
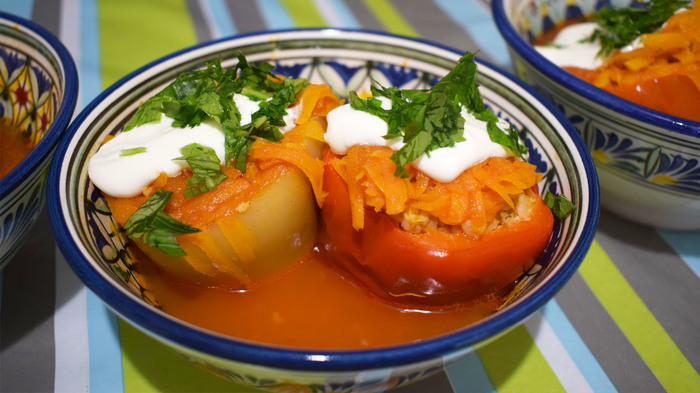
[(648, 162), (345, 60), (39, 89)]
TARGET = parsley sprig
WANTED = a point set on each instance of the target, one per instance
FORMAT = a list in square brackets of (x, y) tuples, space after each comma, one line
[(559, 204), (156, 227), (619, 27), (431, 119), (206, 169), (207, 94)]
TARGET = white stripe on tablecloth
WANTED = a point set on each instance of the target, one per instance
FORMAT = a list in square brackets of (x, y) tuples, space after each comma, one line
[(69, 33), (70, 331), (336, 14), (556, 355), (72, 361)]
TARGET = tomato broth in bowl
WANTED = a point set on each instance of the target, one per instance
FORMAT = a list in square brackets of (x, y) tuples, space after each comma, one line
[(307, 319)]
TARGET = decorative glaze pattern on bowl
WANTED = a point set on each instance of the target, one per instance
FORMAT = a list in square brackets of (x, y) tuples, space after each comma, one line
[(38, 92), (648, 162), (346, 60)]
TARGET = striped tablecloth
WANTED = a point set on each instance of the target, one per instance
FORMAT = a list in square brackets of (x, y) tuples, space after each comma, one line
[(628, 321)]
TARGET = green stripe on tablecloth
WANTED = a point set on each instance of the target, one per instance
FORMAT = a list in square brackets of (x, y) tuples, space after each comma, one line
[(515, 364), (135, 32), (390, 17), (150, 366), (304, 13), (637, 323)]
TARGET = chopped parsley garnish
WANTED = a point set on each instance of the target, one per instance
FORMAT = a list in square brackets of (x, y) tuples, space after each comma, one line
[(157, 228), (558, 204), (206, 169), (430, 119), (207, 94), (619, 27), (132, 151)]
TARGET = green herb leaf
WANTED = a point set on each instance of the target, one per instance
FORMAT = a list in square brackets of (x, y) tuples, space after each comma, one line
[(264, 123), (207, 94), (558, 204), (156, 227), (508, 139), (206, 169), (619, 27), (132, 151), (431, 119), (413, 148)]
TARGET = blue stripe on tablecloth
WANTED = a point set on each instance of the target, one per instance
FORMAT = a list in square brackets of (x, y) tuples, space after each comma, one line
[(576, 348), (218, 13), (106, 373), (477, 21), (89, 61), (686, 244), (21, 8), (337, 14), (468, 375), (275, 15)]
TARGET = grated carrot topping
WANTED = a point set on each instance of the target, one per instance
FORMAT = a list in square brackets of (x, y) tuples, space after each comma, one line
[(268, 153), (673, 50), (317, 101), (474, 197)]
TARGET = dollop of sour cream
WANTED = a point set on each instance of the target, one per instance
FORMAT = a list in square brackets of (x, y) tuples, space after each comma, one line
[(568, 48), (125, 176), (348, 127)]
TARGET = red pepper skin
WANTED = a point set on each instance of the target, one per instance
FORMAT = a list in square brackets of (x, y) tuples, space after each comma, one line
[(431, 270), (673, 94)]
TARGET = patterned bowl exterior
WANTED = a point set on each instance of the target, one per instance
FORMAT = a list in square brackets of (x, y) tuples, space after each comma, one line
[(99, 253), (648, 162), (39, 89)]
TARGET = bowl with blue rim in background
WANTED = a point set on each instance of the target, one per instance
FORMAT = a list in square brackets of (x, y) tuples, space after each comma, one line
[(39, 86), (648, 160), (101, 255)]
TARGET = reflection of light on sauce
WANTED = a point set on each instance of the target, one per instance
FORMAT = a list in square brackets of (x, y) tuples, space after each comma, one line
[(13, 147), (306, 305)]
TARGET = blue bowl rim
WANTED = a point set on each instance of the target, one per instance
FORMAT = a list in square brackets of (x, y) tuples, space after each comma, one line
[(230, 348), (45, 147), (588, 91)]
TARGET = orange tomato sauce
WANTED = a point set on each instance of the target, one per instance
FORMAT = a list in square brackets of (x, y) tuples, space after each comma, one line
[(13, 147), (307, 305)]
